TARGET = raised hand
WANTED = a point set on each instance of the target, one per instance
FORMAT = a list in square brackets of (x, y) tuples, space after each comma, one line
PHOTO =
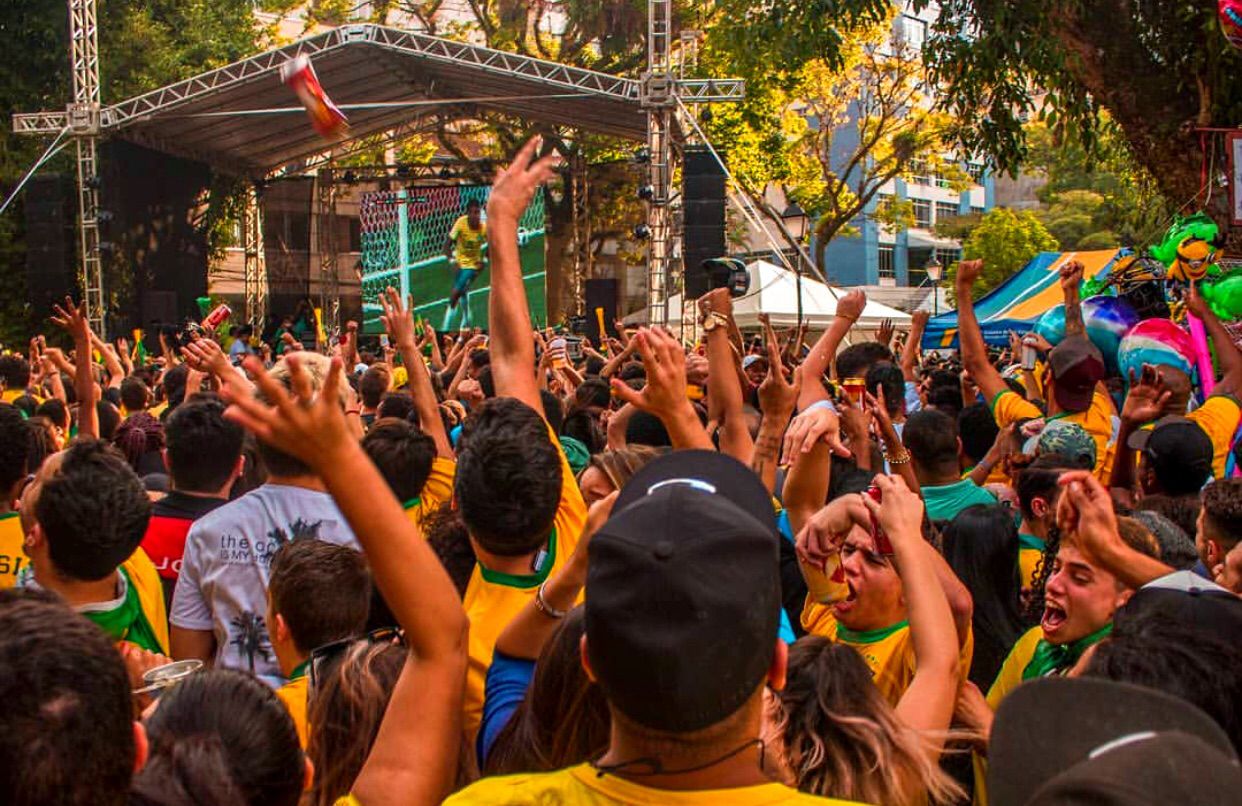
[(515, 185), (1085, 510), (1147, 397), (1195, 303), (884, 335), (967, 272), (299, 422), (810, 426), (72, 318), (919, 320), (777, 397), (851, 305), (900, 511), (665, 362), (1071, 276), (204, 355), (718, 300), (396, 318), (827, 529)]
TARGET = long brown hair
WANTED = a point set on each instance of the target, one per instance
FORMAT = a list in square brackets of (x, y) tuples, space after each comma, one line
[(841, 738), (618, 465), (563, 720)]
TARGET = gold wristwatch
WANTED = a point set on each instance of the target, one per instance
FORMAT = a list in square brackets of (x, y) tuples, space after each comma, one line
[(713, 320)]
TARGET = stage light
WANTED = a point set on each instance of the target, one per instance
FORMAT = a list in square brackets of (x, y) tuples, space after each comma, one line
[(103, 216), (642, 232), (350, 177), (106, 247), (92, 182), (646, 193), (642, 155), (403, 169)]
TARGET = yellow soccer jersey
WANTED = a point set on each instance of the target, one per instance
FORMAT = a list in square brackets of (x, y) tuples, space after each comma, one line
[(437, 491), (468, 243), (492, 598), (12, 558), (1008, 407), (293, 694), (585, 786)]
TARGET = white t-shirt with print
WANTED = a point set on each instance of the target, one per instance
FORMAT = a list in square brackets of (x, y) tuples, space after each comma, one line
[(224, 573)]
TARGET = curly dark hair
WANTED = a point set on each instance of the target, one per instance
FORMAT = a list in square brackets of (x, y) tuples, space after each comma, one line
[(14, 447), (1222, 511)]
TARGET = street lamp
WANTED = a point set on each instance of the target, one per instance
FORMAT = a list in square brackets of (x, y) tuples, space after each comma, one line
[(795, 221), (934, 270)]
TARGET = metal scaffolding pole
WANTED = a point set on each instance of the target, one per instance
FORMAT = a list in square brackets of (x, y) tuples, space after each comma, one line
[(658, 96), (83, 119), (255, 261), (580, 189), (329, 278)]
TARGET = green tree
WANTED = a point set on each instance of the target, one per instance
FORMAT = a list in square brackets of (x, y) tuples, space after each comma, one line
[(1005, 240), (1159, 68), (834, 132)]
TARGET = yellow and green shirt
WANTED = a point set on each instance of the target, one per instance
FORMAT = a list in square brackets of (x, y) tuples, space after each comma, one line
[(293, 694), (1009, 407), (888, 652), (493, 598), (138, 614), (12, 557), (1218, 417), (584, 785), (437, 491), (469, 243)]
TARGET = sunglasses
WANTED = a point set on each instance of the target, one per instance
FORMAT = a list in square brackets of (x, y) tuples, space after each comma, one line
[(325, 658)]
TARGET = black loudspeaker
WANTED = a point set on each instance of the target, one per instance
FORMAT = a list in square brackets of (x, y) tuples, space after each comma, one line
[(600, 294), (703, 200), (51, 242)]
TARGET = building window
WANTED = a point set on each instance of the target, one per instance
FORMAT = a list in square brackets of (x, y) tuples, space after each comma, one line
[(913, 32), (921, 173), (922, 213), (976, 171), (947, 257), (887, 263), (976, 210), (946, 210)]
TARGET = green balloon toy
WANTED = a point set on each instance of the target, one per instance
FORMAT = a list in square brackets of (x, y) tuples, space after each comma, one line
[(1224, 295), (1197, 227)]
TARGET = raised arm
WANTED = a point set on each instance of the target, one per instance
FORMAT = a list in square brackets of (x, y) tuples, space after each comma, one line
[(722, 381), (400, 328), (1227, 353), (927, 705), (777, 398), (1143, 404), (412, 760), (910, 350), (437, 357), (974, 349), (1071, 279), (849, 308), (73, 319), (508, 316)]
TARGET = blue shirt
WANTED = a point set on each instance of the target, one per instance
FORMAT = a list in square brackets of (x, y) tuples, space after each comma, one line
[(946, 500)]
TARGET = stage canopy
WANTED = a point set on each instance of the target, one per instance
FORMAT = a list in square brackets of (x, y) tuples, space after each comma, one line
[(1020, 300), (774, 291), (241, 119)]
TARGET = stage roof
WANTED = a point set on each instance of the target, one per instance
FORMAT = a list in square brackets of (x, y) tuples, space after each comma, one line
[(366, 65)]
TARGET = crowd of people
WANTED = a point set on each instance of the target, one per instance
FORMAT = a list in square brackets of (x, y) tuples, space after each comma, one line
[(470, 568)]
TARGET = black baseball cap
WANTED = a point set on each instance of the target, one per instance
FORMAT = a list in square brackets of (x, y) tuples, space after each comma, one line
[(1048, 726), (1077, 367), (1188, 600), (683, 592), (1178, 452)]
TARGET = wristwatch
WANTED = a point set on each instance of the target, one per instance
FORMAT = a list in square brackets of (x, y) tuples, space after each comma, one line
[(713, 320)]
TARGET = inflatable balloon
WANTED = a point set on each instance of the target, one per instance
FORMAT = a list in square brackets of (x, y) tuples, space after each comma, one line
[(1224, 295), (1107, 320), (1155, 341), (1230, 15), (1194, 257), (1052, 325), (299, 75)]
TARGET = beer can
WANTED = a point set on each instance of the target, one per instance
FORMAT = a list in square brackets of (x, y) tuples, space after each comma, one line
[(855, 387), (216, 317), (826, 582)]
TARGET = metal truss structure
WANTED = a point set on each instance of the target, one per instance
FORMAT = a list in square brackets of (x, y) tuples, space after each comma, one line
[(254, 260), (580, 194), (329, 277), (239, 118)]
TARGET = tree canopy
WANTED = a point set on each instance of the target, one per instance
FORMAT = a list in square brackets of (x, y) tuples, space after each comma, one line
[(1005, 240)]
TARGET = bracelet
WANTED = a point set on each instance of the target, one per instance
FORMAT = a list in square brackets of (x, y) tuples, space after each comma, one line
[(902, 458), (541, 604)]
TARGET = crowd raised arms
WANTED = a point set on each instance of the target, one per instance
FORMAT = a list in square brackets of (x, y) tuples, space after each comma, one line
[(465, 567)]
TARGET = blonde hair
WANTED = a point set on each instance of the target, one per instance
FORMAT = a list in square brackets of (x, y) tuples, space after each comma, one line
[(619, 465), (313, 364), (841, 738)]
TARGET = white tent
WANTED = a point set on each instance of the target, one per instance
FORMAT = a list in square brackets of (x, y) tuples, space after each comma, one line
[(774, 291)]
